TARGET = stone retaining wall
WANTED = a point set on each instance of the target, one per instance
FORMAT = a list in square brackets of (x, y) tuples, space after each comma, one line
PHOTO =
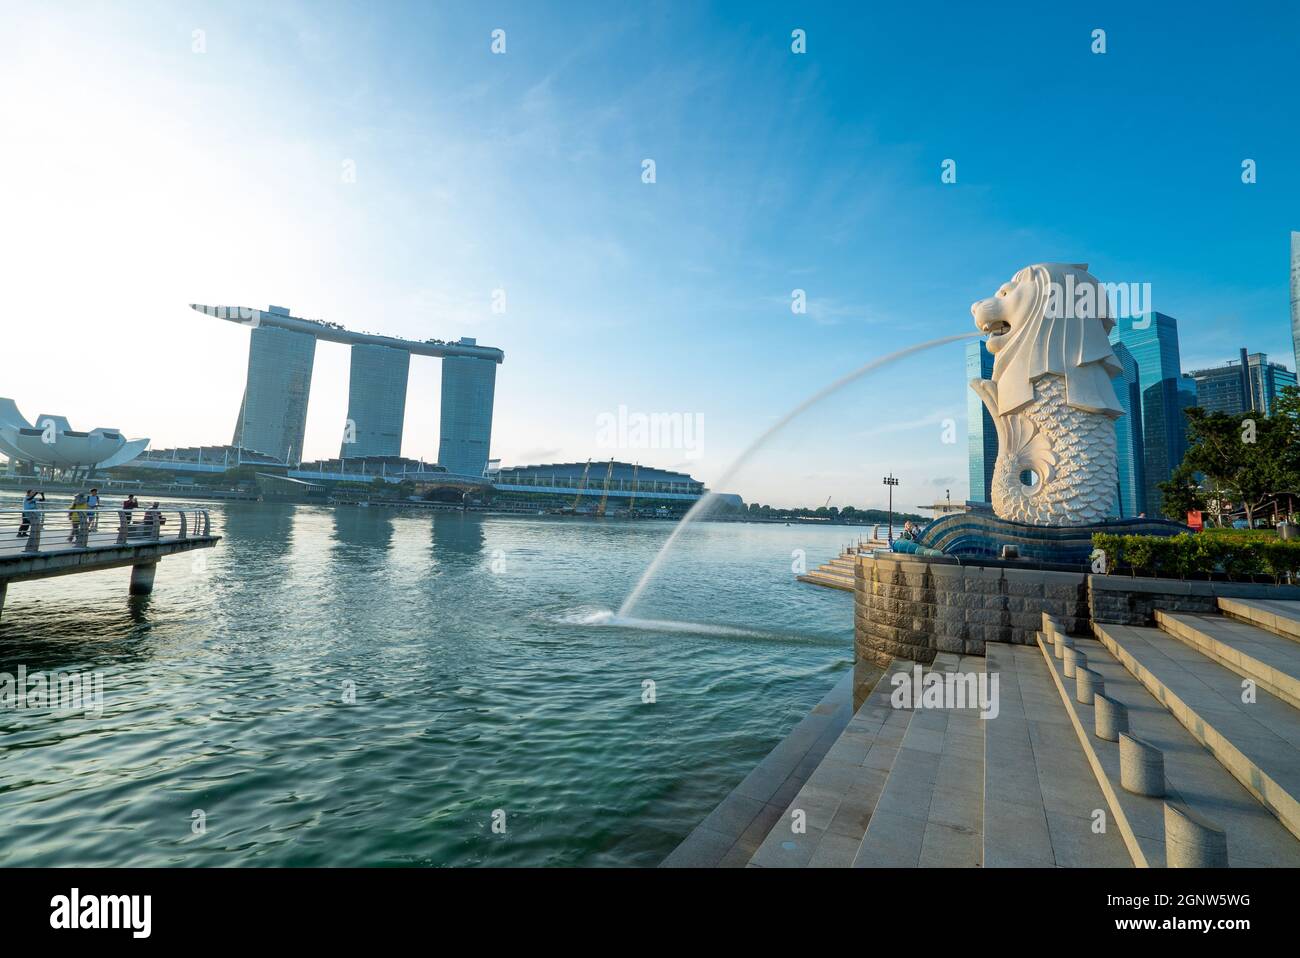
[(1124, 600), (913, 608)]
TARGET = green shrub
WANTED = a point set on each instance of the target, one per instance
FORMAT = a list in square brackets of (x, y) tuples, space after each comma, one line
[(1193, 554)]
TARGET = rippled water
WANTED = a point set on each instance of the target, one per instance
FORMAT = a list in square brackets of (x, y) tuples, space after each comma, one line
[(489, 673)]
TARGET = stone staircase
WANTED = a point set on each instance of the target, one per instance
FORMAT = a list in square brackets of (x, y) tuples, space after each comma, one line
[(838, 573), (1200, 763)]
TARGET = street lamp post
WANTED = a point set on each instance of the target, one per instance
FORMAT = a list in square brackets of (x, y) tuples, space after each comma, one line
[(890, 481)]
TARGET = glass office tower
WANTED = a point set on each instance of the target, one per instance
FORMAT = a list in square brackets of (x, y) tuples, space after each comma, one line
[(1152, 340), (465, 428), (1131, 494), (981, 435), (273, 413), (1295, 298), (1250, 383), (376, 401)]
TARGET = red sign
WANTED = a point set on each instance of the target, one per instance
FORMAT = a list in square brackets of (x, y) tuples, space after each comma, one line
[(1195, 520)]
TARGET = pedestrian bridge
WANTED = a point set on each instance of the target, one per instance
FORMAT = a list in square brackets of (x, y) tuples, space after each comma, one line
[(55, 541)]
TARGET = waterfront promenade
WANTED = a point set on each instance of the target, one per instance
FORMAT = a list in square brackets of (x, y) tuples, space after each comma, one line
[(1158, 731)]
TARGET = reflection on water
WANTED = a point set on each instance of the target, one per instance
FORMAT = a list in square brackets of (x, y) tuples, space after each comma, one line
[(359, 686)]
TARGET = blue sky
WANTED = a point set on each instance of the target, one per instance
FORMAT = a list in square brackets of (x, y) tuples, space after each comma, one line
[(139, 175)]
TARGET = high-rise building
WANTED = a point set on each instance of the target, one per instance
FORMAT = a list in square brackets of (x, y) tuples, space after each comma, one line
[(1250, 383), (465, 430), (1152, 340), (376, 401), (1131, 494), (981, 435), (273, 413), (281, 351), (1267, 380), (1295, 297)]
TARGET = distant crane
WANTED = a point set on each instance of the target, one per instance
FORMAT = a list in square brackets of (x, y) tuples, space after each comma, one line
[(604, 494), (582, 484), (631, 506)]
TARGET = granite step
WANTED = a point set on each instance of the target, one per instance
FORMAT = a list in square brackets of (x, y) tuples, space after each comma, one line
[(930, 813), (1040, 794), (1258, 742), (828, 579), (1279, 616), (1270, 660), (822, 825), (1194, 779)]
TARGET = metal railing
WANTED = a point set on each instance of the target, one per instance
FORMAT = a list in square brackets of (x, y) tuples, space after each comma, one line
[(52, 528)]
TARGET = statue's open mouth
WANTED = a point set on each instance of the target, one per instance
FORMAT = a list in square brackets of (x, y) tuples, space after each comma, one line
[(994, 327)]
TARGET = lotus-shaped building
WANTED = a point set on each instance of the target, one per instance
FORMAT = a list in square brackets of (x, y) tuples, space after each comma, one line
[(51, 443)]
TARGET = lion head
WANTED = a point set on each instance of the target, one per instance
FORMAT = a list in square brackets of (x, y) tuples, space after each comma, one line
[(1050, 319)]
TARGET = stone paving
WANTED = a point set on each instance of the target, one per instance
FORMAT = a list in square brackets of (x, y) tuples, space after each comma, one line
[(1257, 741), (1278, 616), (1194, 779), (1270, 660), (1028, 787), (1040, 795), (930, 813), (822, 825)]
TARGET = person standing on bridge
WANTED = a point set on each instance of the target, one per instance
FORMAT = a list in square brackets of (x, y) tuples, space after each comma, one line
[(153, 520), (129, 505), (31, 510), (76, 515), (92, 510)]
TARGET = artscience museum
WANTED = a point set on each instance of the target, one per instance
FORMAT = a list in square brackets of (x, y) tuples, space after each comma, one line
[(51, 446)]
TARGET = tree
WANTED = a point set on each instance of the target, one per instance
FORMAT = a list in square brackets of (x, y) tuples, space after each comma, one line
[(1243, 458), (1181, 494)]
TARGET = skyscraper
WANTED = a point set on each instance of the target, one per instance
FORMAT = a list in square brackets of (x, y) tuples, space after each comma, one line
[(981, 435), (376, 401), (282, 349), (465, 430), (1251, 383), (1152, 340), (1295, 297), (273, 413), (1131, 494)]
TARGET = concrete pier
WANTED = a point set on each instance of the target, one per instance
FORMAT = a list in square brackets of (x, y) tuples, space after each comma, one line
[(142, 577)]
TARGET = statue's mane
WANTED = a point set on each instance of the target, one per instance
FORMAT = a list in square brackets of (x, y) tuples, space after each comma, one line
[(1051, 340)]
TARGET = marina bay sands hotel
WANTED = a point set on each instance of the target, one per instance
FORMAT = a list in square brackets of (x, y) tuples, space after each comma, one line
[(282, 350)]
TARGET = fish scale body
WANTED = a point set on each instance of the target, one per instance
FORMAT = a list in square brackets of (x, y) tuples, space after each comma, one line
[(1073, 448)]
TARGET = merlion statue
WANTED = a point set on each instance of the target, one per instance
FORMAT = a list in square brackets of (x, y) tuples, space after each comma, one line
[(1051, 396)]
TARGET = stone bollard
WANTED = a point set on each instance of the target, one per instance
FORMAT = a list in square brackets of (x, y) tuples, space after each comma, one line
[(1141, 767), (1111, 718), (1193, 841), (1052, 625), (1063, 642), (1074, 659), (1087, 684)]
